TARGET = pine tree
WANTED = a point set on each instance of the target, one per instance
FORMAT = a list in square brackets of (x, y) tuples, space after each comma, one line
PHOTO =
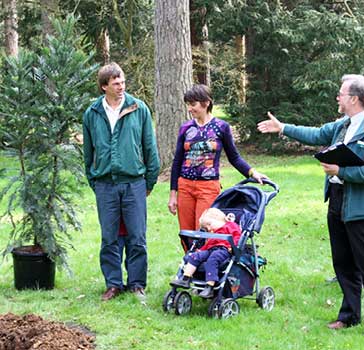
[(42, 100)]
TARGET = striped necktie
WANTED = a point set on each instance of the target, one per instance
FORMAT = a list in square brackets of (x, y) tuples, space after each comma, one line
[(340, 138), (342, 133)]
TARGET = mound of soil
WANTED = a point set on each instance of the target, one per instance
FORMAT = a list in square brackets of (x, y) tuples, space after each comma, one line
[(31, 332)]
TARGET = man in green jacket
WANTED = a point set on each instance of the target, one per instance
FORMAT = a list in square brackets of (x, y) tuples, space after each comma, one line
[(344, 187), (122, 166)]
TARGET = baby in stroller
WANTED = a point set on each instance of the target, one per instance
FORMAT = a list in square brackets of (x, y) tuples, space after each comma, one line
[(214, 252), (240, 208)]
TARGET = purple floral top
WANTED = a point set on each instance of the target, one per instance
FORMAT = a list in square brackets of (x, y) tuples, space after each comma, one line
[(198, 151)]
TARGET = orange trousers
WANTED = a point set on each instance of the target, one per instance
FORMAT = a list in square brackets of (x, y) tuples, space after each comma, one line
[(193, 198)]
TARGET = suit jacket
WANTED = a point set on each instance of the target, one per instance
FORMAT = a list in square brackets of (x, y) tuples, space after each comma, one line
[(326, 135)]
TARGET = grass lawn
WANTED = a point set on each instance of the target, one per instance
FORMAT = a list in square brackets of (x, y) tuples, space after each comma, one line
[(294, 239)]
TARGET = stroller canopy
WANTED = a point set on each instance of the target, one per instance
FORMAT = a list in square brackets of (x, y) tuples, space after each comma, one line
[(247, 203)]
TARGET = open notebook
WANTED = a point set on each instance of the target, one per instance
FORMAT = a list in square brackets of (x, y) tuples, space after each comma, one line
[(339, 154)]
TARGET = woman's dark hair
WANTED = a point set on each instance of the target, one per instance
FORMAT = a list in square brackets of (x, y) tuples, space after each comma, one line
[(199, 93)]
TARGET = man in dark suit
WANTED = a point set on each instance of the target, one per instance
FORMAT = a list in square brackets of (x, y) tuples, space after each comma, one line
[(344, 187)]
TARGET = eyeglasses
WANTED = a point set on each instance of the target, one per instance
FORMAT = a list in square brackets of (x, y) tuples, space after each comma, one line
[(340, 94)]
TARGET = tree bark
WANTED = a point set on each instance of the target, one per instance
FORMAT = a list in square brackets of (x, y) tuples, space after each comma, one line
[(49, 8), (126, 28), (173, 67), (11, 27), (240, 46), (103, 46)]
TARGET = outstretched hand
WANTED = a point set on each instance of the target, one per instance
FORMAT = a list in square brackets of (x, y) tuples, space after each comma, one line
[(270, 125)]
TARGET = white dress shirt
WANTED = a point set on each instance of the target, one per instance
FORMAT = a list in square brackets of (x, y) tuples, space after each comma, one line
[(355, 122), (112, 114)]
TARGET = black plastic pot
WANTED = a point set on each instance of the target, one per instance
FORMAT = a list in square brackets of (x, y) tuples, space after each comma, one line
[(32, 269)]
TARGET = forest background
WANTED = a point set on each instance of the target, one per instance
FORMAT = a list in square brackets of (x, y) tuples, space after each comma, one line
[(284, 56)]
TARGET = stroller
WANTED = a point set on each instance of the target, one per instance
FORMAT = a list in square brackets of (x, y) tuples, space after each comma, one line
[(239, 275)]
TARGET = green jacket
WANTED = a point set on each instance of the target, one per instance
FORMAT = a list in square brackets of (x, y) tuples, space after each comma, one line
[(126, 155), (353, 200)]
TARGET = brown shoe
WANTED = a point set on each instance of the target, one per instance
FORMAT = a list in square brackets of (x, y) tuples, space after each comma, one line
[(110, 293), (337, 325)]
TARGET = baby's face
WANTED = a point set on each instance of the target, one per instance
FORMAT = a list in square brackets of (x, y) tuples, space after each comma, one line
[(211, 224), (214, 225)]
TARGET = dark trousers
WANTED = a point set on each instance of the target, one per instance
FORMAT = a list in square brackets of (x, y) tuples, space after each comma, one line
[(213, 258), (347, 249), (129, 201)]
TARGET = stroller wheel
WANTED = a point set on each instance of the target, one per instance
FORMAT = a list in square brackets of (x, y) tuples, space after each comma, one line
[(228, 308), (213, 310), (168, 301), (182, 303), (266, 298)]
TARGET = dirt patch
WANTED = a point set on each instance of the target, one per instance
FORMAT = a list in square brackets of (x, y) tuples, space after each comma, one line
[(31, 332)]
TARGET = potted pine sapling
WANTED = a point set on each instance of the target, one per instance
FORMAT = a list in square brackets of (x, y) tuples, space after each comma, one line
[(41, 102)]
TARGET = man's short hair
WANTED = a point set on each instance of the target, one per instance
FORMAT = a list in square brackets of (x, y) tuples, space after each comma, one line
[(111, 70), (356, 87)]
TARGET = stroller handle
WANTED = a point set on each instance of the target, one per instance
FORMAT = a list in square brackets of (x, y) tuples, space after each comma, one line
[(202, 234), (265, 182)]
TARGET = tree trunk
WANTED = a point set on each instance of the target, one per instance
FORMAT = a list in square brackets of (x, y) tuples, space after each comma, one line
[(173, 66), (49, 8), (103, 46), (249, 49), (11, 27), (200, 44), (126, 28), (241, 57)]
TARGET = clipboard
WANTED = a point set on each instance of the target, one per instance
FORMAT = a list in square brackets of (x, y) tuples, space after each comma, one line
[(339, 154)]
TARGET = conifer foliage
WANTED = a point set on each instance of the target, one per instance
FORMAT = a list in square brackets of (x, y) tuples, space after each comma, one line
[(42, 97)]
